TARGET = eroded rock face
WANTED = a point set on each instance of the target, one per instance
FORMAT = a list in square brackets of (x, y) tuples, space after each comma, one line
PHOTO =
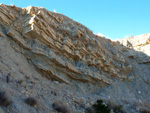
[(51, 57), (60, 48)]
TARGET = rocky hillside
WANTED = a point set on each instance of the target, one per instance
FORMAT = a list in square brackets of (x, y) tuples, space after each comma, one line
[(55, 60)]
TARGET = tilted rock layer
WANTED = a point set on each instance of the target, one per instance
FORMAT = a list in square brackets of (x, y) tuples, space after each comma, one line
[(61, 48), (37, 41)]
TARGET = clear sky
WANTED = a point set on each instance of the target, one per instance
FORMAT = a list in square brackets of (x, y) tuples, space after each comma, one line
[(113, 18)]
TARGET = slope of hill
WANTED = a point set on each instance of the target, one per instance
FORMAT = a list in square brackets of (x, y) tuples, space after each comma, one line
[(54, 59)]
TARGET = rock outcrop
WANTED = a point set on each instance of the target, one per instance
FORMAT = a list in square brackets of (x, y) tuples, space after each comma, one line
[(60, 48), (137, 47), (58, 58)]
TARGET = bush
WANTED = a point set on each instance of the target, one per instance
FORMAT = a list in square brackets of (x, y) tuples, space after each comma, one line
[(117, 108), (31, 101), (61, 107), (4, 100), (100, 107)]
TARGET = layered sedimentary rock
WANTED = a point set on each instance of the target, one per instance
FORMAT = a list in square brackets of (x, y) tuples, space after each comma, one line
[(60, 48), (49, 56)]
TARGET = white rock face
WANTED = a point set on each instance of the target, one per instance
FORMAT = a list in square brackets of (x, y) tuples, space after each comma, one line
[(51, 57)]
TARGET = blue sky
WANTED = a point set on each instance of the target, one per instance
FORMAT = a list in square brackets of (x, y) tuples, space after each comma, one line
[(113, 18)]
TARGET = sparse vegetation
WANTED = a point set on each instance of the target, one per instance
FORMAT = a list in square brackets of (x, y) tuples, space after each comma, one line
[(31, 101), (61, 107), (145, 111), (4, 100), (20, 81), (145, 108), (100, 107), (142, 107)]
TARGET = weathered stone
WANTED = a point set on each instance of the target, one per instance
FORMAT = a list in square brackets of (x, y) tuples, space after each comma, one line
[(38, 47), (67, 47), (137, 47)]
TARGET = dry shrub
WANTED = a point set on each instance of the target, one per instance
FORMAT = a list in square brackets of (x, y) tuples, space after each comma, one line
[(143, 107), (4, 99), (145, 110), (117, 108), (145, 104), (31, 101), (61, 107)]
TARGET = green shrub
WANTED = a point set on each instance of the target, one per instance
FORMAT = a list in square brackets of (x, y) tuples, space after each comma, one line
[(100, 107)]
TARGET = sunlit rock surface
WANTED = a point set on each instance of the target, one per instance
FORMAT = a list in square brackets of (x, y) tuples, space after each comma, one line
[(137, 47), (51, 57)]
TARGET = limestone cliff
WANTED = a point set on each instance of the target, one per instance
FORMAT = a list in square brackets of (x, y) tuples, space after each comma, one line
[(55, 56)]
